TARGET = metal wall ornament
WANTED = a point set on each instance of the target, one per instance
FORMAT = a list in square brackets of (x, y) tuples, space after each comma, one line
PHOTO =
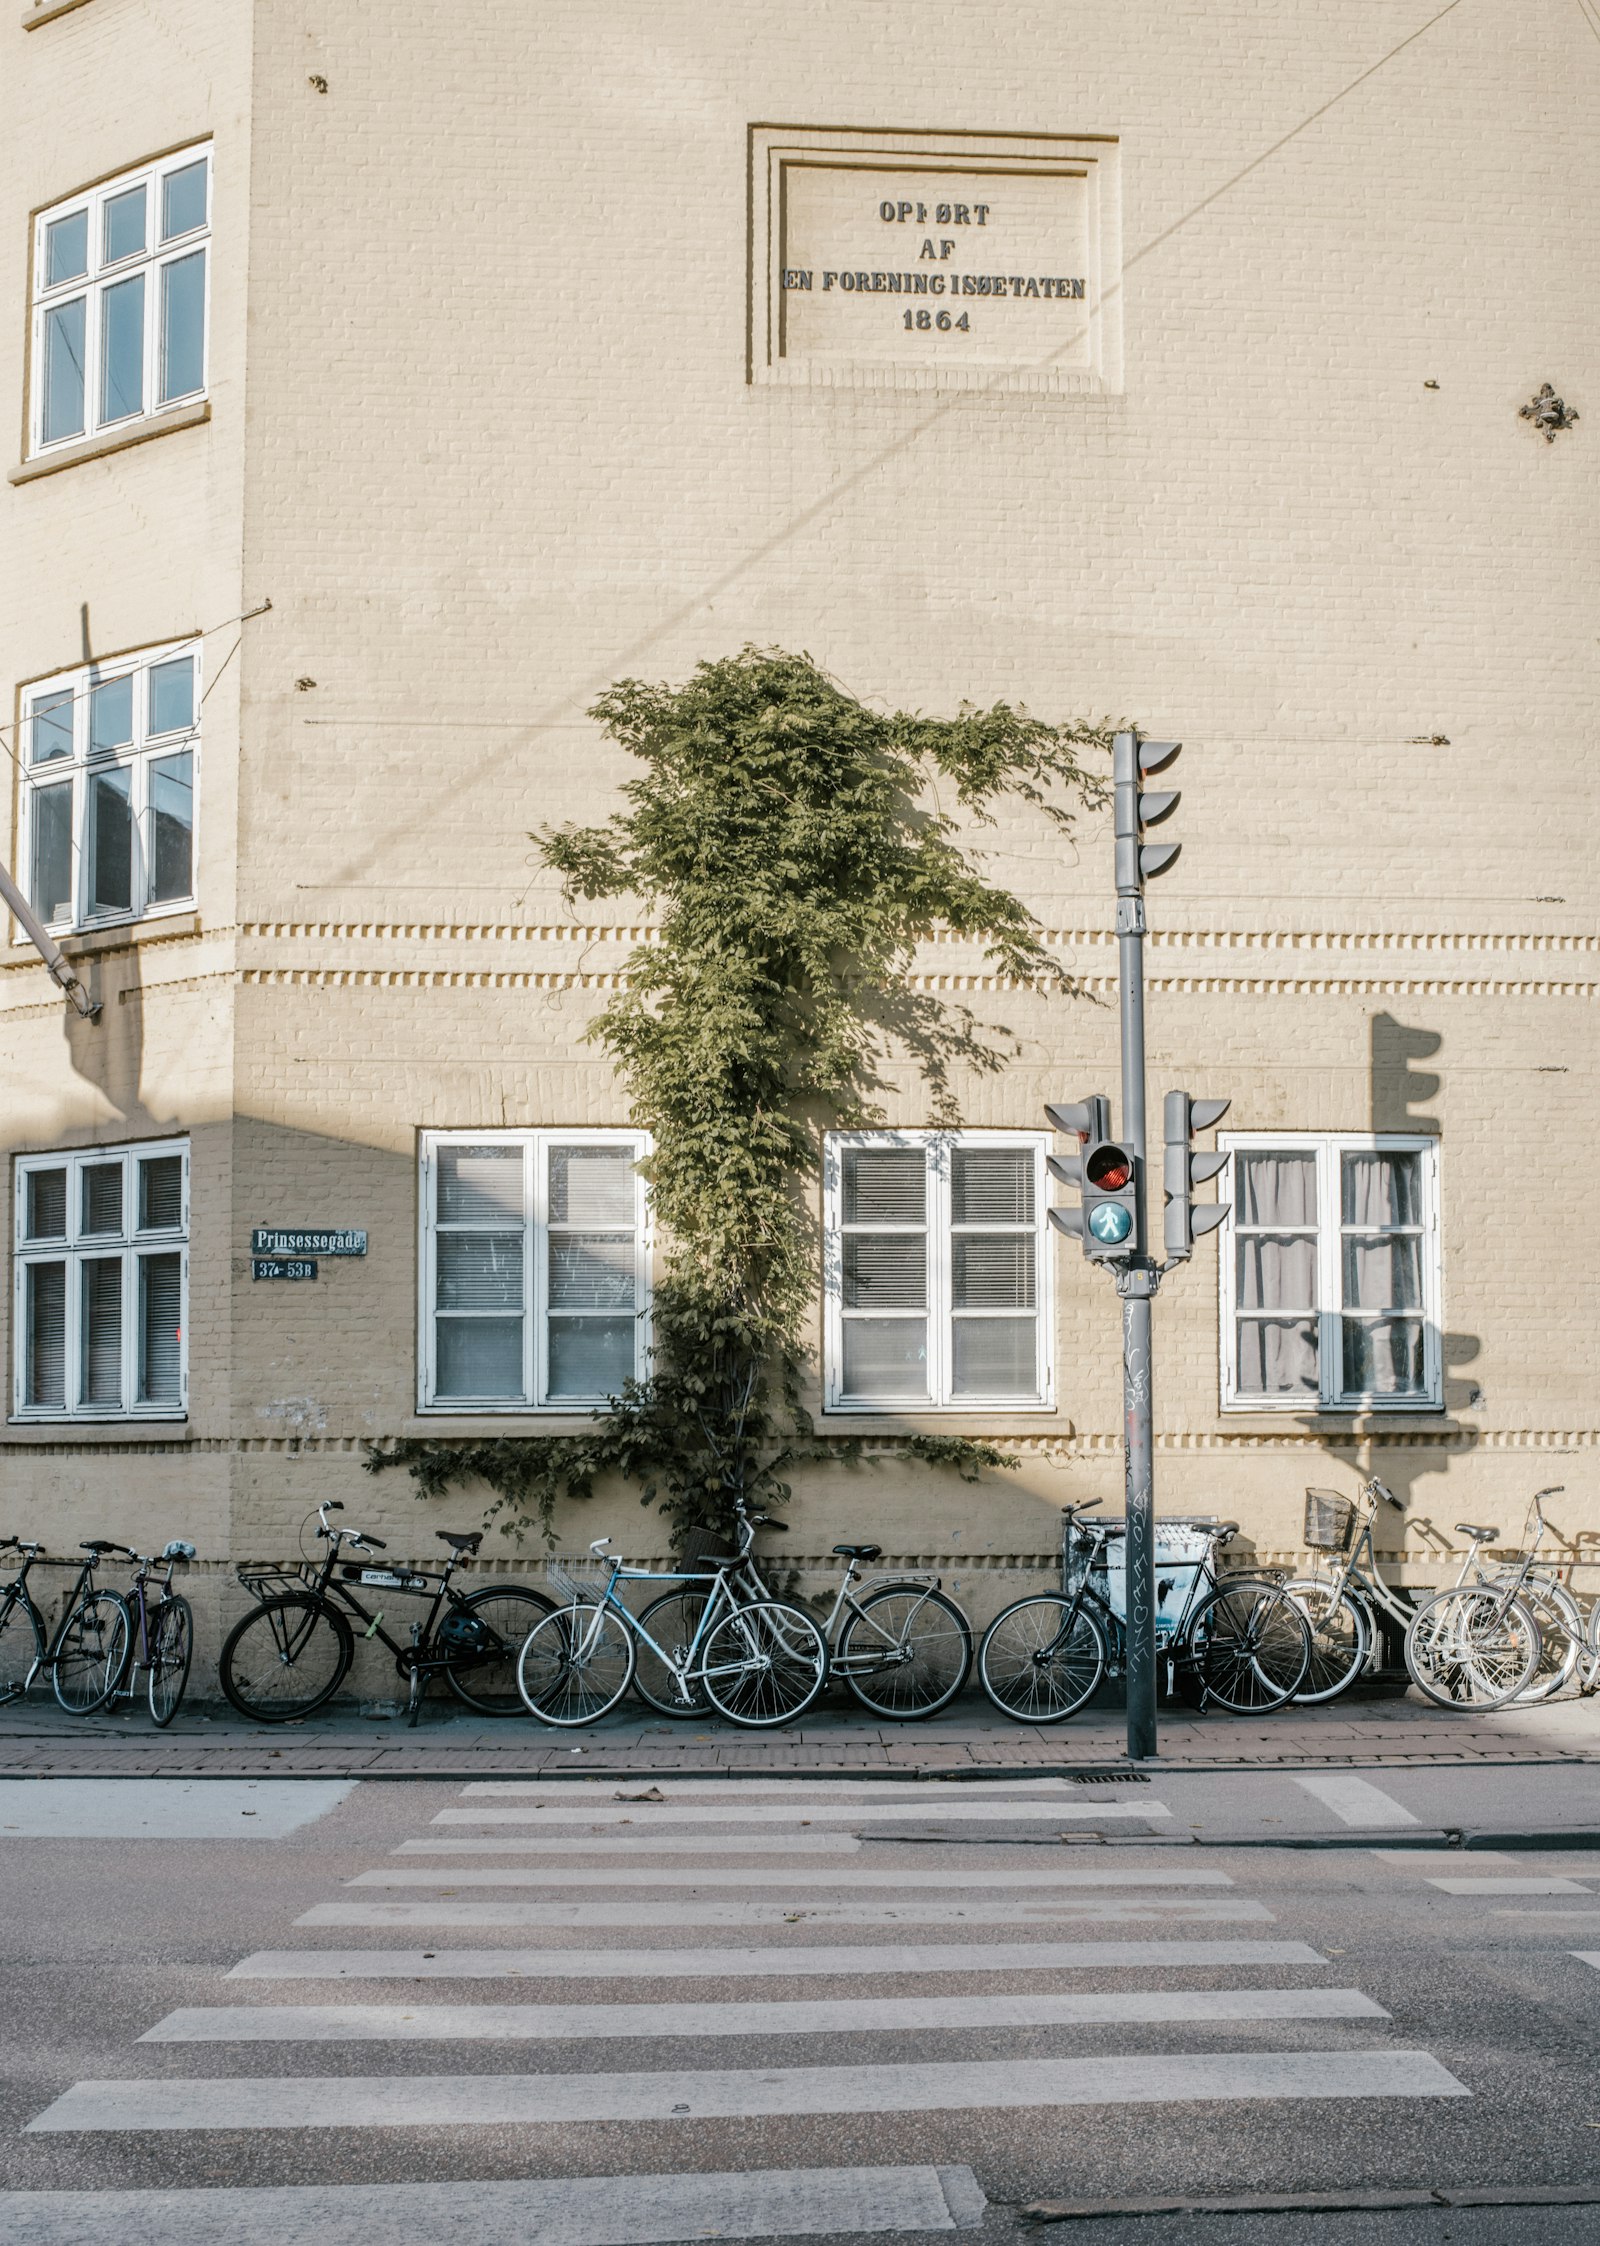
[(1548, 413)]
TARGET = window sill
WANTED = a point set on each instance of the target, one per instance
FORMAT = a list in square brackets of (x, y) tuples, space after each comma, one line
[(109, 441), (46, 11), (115, 1419), (1412, 1407)]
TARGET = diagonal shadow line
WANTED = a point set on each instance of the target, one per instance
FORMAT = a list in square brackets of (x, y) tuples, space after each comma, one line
[(576, 699)]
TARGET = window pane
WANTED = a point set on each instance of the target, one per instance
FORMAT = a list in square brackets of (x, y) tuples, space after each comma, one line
[(479, 1357), (102, 1197), (172, 695), (592, 1185), (479, 1182), (124, 225), (995, 1357), (46, 1198), (1383, 1274), (171, 852), (1382, 1189), (1278, 1357), (110, 714), (589, 1271), (122, 350), (66, 249), (1276, 1189), (885, 1357), (590, 1357), (480, 1271), (1383, 1359), (1277, 1272), (160, 1328), (44, 1377), (111, 842), (993, 1270), (63, 371), (885, 1271), (102, 1333), (183, 317), (50, 877), (50, 735), (183, 200), (991, 1185), (885, 1185), (161, 1193)]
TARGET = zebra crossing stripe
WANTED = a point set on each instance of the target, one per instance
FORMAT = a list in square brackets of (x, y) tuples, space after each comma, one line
[(916, 1812), (978, 1910), (790, 1789), (746, 1878), (740, 2093), (612, 1843)]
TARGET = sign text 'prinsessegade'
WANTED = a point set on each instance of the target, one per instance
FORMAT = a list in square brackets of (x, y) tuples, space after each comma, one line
[(933, 273)]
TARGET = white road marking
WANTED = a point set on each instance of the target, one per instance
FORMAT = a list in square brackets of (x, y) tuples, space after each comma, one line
[(791, 1789), (1444, 1859), (527, 2023), (711, 1814), (187, 1809), (1509, 1887), (751, 1877), (740, 2093), (854, 1961), (1586, 1957), (639, 1912), (642, 1844), (1354, 1800), (575, 2211)]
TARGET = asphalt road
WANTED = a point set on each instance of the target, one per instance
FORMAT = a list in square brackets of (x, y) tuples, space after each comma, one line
[(547, 2014)]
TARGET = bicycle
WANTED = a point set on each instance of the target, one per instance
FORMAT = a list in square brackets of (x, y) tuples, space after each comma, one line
[(903, 1649), (1244, 1645), (160, 1639), (1341, 1610), (89, 1649), (292, 1651), (759, 1663)]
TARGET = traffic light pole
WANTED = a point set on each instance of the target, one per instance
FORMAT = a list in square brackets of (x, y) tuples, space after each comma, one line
[(1138, 1279)]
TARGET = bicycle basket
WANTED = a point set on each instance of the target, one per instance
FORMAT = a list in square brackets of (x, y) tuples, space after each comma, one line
[(1329, 1520), (576, 1575)]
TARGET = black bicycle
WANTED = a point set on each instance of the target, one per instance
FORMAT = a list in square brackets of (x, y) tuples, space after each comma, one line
[(89, 1650), (160, 1631), (294, 1648)]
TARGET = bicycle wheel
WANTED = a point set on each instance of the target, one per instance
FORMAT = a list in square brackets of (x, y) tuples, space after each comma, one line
[(575, 1665), (905, 1652), (1341, 1639), (488, 1629), (1039, 1662), (764, 1665), (91, 1653), (672, 1621), (1470, 1648), (1561, 1638), (284, 1659), (21, 1646), (171, 1651), (1251, 1647)]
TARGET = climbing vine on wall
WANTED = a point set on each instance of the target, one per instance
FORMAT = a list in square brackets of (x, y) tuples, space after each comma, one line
[(792, 846)]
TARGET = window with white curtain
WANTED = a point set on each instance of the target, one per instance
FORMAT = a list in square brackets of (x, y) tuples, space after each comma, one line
[(101, 1270), (535, 1273), (1330, 1273), (119, 299), (935, 1294)]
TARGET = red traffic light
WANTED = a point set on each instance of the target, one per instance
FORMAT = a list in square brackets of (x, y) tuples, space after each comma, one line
[(1110, 1168)]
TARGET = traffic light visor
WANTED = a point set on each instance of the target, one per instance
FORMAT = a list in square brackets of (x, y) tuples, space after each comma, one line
[(1110, 1168)]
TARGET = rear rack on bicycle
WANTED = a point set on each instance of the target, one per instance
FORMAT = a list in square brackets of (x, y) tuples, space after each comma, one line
[(1330, 1519), (269, 1578)]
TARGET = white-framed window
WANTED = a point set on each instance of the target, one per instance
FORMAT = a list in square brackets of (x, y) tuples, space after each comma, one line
[(119, 299), (109, 764), (534, 1269), (102, 1282), (936, 1292), (1330, 1272)]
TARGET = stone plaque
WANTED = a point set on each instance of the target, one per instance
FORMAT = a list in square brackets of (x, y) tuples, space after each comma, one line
[(933, 261)]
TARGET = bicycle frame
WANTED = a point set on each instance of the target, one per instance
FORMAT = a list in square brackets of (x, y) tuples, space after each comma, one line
[(1365, 1582), (721, 1603), (750, 1585), (1097, 1536), (138, 1603)]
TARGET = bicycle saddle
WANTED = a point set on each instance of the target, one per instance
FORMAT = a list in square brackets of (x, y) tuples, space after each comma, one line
[(99, 1544), (859, 1551), (1478, 1535), (458, 1542)]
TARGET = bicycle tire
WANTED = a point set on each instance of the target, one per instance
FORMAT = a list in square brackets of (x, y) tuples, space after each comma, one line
[(91, 1652), (653, 1680), (493, 1689), (764, 1664), (22, 1645), (911, 1682), (1250, 1645), (575, 1665), (1466, 1648), (268, 1645), (1561, 1639), (1037, 1668), (1341, 1640), (171, 1652)]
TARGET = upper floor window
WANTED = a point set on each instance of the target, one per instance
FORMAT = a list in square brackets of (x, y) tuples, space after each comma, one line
[(108, 788), (935, 1271), (534, 1266), (1330, 1273), (101, 1272), (119, 299)]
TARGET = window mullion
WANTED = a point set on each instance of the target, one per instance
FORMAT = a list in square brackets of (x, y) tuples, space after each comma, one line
[(941, 1341), (1330, 1280), (536, 1269)]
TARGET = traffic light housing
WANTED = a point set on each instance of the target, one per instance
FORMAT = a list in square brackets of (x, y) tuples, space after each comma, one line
[(1106, 1221), (1185, 1222), (1139, 861)]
